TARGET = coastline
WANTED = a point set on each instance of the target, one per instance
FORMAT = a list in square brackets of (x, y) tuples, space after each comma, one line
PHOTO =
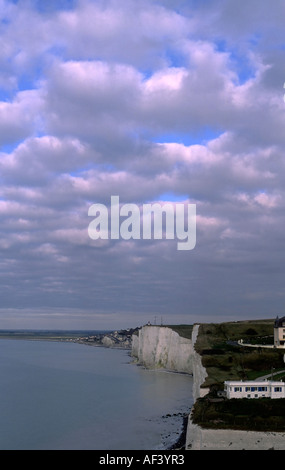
[(173, 426), (180, 444), (157, 348)]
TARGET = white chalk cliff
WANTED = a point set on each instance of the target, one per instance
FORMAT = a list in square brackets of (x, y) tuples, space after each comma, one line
[(162, 348)]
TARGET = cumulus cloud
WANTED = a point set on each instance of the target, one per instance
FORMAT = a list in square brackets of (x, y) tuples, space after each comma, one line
[(152, 101)]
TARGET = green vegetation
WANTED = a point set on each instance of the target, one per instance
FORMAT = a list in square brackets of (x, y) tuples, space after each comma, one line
[(263, 414), (224, 359), (211, 334), (183, 330)]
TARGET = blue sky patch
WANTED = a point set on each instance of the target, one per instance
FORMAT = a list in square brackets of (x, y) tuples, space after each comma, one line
[(172, 197), (241, 62), (198, 138)]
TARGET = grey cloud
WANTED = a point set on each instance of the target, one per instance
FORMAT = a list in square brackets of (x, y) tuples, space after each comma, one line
[(89, 126), (36, 160)]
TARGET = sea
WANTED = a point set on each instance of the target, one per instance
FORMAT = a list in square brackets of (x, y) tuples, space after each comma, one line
[(68, 396)]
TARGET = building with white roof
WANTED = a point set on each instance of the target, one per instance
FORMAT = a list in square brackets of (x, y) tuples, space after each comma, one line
[(254, 389)]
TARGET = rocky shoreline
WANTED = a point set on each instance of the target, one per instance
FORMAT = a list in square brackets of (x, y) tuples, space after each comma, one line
[(180, 444)]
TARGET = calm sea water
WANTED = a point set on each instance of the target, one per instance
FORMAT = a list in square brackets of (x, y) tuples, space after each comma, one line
[(59, 395)]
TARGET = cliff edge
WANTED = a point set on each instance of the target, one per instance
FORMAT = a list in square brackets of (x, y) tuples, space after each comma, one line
[(160, 347)]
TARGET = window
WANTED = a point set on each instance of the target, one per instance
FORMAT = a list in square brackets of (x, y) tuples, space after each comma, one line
[(262, 389), (252, 389), (238, 389), (247, 389), (277, 389)]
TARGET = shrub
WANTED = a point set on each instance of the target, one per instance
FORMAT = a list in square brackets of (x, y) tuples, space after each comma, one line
[(250, 332), (257, 415)]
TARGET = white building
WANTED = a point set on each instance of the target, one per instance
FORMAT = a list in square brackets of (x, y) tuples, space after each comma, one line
[(254, 389), (279, 332)]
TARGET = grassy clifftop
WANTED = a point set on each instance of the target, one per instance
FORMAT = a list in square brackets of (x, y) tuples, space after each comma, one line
[(214, 334), (183, 330), (224, 359)]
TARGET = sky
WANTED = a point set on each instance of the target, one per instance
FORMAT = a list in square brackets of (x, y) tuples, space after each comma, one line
[(150, 101)]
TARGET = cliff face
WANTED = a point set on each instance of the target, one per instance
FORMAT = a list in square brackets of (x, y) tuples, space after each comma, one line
[(160, 347), (199, 371)]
